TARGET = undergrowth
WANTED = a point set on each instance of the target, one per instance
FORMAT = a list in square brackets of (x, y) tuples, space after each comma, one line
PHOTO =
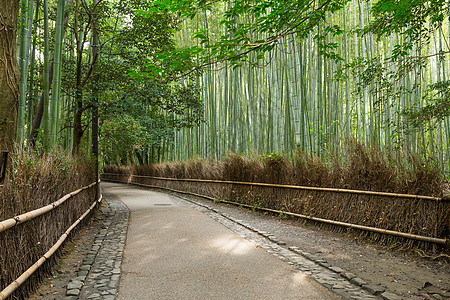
[(356, 167)]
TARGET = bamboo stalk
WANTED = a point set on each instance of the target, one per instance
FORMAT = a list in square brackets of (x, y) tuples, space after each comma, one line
[(59, 36), (46, 79), (324, 110), (22, 278), (23, 67), (6, 224), (297, 187)]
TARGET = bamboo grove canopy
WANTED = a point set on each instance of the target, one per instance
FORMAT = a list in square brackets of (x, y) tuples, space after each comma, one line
[(175, 79)]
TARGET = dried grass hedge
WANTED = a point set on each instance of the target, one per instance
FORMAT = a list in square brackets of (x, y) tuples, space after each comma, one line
[(34, 182), (358, 167)]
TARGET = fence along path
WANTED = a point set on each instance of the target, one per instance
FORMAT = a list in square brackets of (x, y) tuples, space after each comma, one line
[(435, 240), (9, 223), (310, 188)]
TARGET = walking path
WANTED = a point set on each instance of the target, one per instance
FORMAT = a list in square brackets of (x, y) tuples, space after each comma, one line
[(178, 249)]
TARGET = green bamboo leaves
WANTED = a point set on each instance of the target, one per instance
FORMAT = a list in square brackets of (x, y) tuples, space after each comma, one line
[(315, 90)]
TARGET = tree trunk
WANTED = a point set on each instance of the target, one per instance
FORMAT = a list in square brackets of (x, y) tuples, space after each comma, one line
[(39, 113), (139, 157), (9, 74), (77, 127), (95, 51), (27, 23), (31, 92), (78, 130)]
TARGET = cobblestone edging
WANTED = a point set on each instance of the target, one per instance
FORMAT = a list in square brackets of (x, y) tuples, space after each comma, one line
[(98, 276), (336, 279)]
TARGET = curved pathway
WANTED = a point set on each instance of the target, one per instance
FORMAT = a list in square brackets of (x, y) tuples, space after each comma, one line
[(174, 251), (158, 246)]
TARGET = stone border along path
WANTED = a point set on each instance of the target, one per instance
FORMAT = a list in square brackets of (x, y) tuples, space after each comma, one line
[(99, 274)]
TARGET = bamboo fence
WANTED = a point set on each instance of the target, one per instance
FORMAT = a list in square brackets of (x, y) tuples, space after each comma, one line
[(9, 223), (434, 240), (296, 187)]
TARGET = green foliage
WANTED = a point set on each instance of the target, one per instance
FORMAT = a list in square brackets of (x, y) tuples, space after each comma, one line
[(130, 42), (415, 20), (438, 97), (146, 116), (120, 135), (274, 156), (249, 27), (415, 24), (137, 113)]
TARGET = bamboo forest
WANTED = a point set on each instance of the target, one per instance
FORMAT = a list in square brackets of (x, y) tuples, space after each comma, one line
[(315, 89), (175, 80), (224, 149)]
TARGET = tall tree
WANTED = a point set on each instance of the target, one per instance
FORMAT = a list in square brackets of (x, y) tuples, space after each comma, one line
[(95, 53), (57, 71), (9, 74)]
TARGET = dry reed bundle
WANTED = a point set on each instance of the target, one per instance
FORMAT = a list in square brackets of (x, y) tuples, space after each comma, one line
[(358, 168), (33, 183)]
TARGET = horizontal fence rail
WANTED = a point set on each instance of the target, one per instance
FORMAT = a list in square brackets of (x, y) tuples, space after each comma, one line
[(297, 187), (434, 240), (22, 278), (6, 224)]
